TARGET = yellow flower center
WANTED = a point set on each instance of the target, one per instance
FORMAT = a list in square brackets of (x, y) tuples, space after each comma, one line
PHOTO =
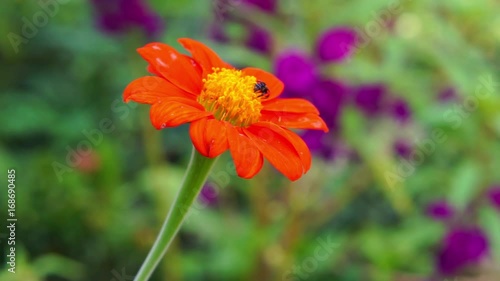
[(230, 96)]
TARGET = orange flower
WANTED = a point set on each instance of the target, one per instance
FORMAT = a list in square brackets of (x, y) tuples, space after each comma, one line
[(228, 108)]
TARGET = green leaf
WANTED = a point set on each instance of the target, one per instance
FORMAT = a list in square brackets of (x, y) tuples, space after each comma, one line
[(464, 184)]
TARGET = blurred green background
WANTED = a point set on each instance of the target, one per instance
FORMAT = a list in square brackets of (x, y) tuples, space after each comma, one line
[(94, 179)]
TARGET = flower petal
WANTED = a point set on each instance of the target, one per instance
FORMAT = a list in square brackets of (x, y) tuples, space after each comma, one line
[(151, 69), (274, 85), (152, 89), (277, 150), (209, 137), (177, 68), (247, 158), (171, 112), (203, 55), (290, 105), (294, 120), (300, 146)]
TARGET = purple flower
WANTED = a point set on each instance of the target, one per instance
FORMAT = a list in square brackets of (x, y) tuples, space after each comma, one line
[(325, 145), (494, 195), (265, 5), (336, 44), (447, 94), (329, 96), (317, 142), (401, 111), (403, 148), (217, 33), (369, 98), (461, 247), (117, 16), (440, 210), (208, 195), (296, 70), (259, 39)]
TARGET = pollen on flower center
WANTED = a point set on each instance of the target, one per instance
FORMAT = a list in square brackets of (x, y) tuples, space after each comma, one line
[(230, 96)]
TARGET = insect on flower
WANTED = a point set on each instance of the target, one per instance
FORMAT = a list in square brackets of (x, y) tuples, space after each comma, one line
[(227, 108), (261, 88)]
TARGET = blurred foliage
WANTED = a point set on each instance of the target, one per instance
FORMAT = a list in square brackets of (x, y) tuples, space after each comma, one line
[(96, 217)]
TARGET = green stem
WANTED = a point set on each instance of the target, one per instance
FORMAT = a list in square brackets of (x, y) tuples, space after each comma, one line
[(195, 177)]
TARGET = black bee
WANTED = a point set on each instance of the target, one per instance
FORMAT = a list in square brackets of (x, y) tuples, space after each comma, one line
[(261, 88)]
